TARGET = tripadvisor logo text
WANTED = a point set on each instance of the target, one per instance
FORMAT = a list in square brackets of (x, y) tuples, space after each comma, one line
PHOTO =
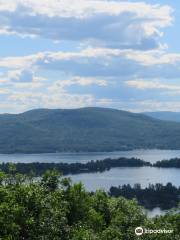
[(140, 231)]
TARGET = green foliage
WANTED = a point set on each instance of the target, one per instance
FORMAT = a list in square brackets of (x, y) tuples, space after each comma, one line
[(155, 195), (86, 129), (171, 163), (54, 209), (50, 180), (37, 169)]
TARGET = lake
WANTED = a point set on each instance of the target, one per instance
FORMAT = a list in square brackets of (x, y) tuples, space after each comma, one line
[(147, 155), (126, 175), (114, 177)]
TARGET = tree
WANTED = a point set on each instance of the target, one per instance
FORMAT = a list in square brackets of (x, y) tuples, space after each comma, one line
[(53, 209)]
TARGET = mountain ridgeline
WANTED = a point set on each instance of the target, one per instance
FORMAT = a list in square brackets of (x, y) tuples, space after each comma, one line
[(165, 115), (84, 129)]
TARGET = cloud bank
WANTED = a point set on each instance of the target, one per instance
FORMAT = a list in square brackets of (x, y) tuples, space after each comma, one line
[(112, 24), (118, 57)]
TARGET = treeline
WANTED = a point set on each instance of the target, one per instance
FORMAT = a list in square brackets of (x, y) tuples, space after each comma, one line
[(37, 169), (172, 163), (158, 195), (53, 208)]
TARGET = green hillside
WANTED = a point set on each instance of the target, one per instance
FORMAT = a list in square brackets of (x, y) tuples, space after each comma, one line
[(85, 129)]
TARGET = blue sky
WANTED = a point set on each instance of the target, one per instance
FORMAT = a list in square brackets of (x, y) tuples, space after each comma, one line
[(79, 53)]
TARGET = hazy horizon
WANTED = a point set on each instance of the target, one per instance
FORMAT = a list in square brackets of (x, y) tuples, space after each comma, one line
[(131, 111)]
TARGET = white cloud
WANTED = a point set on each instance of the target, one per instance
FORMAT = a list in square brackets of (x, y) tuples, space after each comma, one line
[(156, 57), (22, 62), (113, 24), (27, 85), (147, 58), (61, 85), (155, 105), (56, 100), (20, 76), (96, 65), (141, 106), (152, 84)]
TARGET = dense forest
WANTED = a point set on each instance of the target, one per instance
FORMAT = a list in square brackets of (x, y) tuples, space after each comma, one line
[(37, 169), (165, 197), (84, 130), (172, 163), (55, 209)]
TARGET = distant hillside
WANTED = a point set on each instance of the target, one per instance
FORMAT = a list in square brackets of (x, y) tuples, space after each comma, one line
[(166, 116), (85, 129)]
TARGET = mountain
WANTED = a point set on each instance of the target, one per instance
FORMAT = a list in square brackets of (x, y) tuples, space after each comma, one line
[(85, 129), (166, 116)]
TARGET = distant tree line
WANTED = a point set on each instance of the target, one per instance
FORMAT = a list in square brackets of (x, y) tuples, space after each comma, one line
[(172, 163), (37, 169), (158, 195)]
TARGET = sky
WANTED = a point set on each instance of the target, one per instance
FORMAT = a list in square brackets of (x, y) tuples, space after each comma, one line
[(83, 53)]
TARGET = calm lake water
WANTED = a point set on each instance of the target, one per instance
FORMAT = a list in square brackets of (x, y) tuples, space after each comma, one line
[(120, 176), (114, 177), (147, 155)]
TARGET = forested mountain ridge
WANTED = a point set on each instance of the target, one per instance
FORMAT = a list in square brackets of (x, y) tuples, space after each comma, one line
[(84, 129)]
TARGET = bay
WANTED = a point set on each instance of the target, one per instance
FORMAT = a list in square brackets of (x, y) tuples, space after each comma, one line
[(126, 175), (114, 177)]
